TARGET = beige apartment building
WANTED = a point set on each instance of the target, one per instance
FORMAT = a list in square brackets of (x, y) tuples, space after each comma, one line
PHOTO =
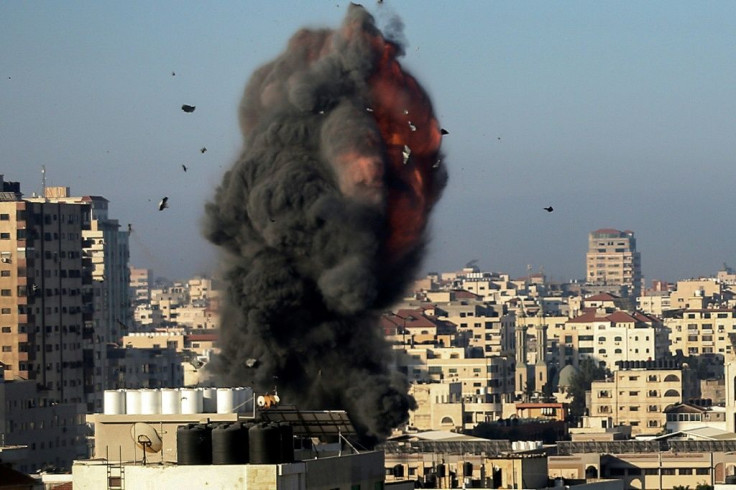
[(696, 332), (488, 326), (612, 259), (637, 396), (695, 293), (41, 293), (141, 281), (489, 377)]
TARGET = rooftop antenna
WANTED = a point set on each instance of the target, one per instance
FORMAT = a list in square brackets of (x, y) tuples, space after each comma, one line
[(43, 181)]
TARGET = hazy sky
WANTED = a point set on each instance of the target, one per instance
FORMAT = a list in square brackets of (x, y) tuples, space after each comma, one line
[(619, 114)]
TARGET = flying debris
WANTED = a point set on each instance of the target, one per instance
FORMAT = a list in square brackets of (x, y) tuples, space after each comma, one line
[(188, 108), (173, 74), (203, 149), (549, 209), (412, 127), (130, 228), (250, 362), (406, 112), (437, 163), (406, 154), (369, 109), (443, 131), (184, 167), (163, 204)]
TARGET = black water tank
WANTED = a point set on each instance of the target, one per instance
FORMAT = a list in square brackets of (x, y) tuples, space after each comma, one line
[(468, 468), (398, 471), (264, 441), (287, 442), (194, 444), (229, 444), (441, 470)]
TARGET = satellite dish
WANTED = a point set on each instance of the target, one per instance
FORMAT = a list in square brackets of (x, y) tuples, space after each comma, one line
[(146, 437)]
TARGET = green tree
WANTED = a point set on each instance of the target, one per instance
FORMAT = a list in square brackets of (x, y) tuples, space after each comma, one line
[(588, 371)]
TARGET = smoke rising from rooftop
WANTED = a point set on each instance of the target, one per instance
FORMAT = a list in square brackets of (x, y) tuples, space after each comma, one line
[(323, 219)]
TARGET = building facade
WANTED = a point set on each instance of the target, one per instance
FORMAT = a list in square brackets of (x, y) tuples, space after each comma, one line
[(41, 293), (612, 259)]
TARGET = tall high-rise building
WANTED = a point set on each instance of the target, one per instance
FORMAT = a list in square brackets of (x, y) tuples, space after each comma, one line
[(612, 260), (41, 293), (105, 290)]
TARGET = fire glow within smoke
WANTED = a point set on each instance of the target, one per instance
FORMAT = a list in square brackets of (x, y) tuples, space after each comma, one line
[(323, 218)]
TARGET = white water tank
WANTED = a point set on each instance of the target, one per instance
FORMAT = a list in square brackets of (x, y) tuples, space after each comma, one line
[(132, 402), (209, 396), (191, 400), (170, 401), (114, 402), (225, 400), (150, 402)]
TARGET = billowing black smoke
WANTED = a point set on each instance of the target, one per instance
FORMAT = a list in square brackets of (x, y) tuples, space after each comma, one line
[(316, 217)]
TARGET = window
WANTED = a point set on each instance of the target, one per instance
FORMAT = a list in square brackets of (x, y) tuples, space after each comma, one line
[(4, 217), (5, 292), (4, 236), (7, 348)]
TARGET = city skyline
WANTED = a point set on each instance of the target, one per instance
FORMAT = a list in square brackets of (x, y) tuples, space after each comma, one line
[(615, 115)]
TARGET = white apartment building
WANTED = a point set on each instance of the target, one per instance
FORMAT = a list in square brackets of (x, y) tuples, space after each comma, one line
[(611, 337)]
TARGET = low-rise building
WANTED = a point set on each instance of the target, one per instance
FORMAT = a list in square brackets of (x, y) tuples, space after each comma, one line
[(53, 433), (687, 416), (638, 393)]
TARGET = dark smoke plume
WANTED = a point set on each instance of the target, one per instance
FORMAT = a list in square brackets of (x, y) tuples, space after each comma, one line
[(324, 222)]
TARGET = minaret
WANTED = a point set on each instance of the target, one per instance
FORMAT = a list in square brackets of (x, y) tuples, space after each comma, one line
[(541, 373), (521, 376)]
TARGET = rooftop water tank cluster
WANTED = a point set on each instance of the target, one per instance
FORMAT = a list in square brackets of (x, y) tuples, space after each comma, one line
[(235, 443), (170, 401), (526, 445)]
